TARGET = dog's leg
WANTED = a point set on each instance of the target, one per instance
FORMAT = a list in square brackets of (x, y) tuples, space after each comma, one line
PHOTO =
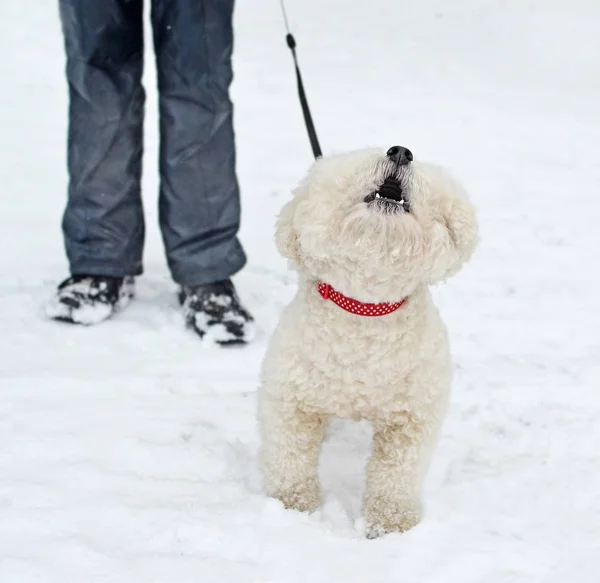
[(291, 443), (394, 477)]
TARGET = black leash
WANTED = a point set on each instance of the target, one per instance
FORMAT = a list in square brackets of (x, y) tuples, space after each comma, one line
[(310, 126)]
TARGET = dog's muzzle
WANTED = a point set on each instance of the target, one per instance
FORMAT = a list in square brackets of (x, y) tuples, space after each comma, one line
[(390, 196)]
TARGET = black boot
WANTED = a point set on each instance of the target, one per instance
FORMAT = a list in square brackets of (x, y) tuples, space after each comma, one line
[(89, 299), (215, 313)]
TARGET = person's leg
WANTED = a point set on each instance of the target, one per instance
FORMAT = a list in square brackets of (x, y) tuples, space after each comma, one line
[(199, 200), (199, 197), (103, 223)]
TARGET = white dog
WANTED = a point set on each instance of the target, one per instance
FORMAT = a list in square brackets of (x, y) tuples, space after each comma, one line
[(368, 232)]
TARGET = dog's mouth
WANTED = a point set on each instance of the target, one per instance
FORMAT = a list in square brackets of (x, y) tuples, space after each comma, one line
[(390, 196)]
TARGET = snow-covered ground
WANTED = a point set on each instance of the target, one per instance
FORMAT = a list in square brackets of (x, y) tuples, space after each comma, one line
[(128, 451)]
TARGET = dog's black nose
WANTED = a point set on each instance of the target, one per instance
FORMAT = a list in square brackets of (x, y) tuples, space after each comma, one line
[(400, 155)]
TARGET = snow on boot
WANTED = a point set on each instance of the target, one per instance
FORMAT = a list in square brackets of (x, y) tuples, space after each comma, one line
[(215, 313), (89, 299)]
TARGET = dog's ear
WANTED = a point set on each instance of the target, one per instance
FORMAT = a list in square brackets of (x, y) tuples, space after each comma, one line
[(286, 235), (455, 235)]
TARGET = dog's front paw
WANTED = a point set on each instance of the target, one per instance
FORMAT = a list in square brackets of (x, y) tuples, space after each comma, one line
[(384, 516), (305, 497)]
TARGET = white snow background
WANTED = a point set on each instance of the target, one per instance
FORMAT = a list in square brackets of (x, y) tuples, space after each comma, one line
[(128, 450)]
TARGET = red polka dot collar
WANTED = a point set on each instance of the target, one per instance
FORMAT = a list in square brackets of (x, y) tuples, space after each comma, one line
[(354, 306)]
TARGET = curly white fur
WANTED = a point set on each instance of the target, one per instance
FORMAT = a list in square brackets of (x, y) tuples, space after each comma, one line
[(393, 370)]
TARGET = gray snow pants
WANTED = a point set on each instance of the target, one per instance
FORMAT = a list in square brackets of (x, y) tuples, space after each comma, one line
[(199, 206)]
